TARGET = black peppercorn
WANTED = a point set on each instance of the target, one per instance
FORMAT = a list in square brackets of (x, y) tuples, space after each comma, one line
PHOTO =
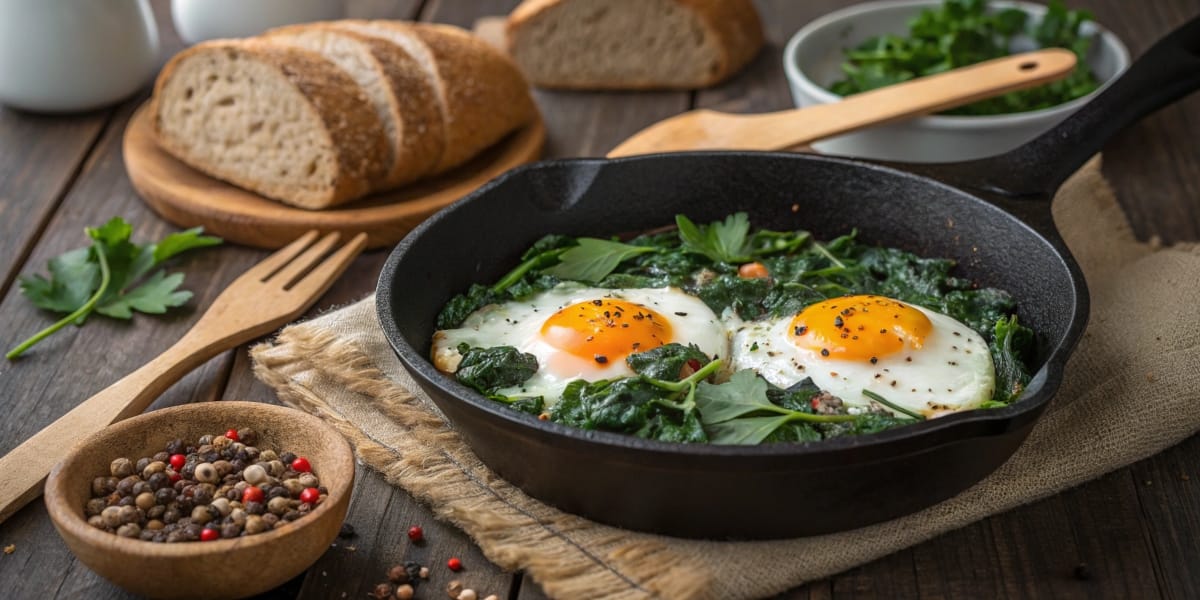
[(176, 446), (255, 508), (158, 481), (125, 486), (287, 457), (162, 457), (141, 464)]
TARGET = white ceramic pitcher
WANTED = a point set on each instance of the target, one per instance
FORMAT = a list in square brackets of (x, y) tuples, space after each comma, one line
[(74, 55), (199, 20)]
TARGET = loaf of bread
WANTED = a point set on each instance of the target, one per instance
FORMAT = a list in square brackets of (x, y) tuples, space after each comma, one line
[(321, 114), (403, 96), (632, 44), (481, 93), (278, 121)]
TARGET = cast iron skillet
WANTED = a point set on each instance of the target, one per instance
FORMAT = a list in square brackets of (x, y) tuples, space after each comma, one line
[(993, 216)]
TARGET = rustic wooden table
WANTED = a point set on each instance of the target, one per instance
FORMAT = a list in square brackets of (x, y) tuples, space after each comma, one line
[(1132, 533)]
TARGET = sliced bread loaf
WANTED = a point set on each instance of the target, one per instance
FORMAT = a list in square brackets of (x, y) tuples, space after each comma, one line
[(280, 121), (632, 44), (482, 94), (397, 86)]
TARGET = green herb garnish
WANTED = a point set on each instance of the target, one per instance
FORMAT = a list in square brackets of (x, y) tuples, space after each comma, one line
[(964, 32), (592, 259), (110, 277)]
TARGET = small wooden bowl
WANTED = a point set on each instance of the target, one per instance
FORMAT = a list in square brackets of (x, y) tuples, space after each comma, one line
[(226, 568)]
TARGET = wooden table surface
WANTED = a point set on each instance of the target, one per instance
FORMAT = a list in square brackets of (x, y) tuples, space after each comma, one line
[(1132, 533)]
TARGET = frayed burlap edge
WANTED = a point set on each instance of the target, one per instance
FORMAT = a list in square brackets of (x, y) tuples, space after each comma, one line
[(427, 464)]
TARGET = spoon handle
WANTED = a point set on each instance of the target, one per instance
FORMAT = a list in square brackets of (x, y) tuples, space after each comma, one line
[(23, 469), (710, 130)]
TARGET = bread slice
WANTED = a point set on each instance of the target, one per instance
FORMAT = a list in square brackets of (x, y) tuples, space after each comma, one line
[(632, 44), (482, 94), (279, 121), (396, 85)]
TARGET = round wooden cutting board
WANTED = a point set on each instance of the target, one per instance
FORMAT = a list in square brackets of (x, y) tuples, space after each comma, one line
[(187, 197)]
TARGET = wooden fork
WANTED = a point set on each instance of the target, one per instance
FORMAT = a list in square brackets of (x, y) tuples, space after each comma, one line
[(264, 298)]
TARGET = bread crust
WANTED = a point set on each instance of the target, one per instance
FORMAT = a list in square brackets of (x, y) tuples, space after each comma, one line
[(350, 123), (486, 96), (413, 103), (734, 24)]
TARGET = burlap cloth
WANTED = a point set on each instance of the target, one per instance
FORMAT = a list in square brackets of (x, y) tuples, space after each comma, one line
[(1131, 390)]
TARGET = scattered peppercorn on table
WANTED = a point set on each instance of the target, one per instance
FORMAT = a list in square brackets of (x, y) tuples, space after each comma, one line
[(1132, 533)]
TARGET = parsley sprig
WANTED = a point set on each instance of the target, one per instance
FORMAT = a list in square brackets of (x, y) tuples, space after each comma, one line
[(112, 277)]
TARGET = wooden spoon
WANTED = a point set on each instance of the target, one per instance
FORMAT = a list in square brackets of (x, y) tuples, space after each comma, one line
[(711, 130)]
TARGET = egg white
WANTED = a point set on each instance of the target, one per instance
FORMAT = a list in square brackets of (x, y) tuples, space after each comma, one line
[(518, 324), (951, 372)]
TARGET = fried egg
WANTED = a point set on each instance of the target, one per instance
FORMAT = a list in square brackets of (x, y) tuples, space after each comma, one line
[(916, 358), (583, 333)]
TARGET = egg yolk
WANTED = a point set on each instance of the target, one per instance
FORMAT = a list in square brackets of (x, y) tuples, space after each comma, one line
[(606, 329), (859, 328)]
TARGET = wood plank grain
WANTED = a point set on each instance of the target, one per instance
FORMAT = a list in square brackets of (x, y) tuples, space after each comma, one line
[(1162, 147), (77, 362), (1168, 488), (39, 158)]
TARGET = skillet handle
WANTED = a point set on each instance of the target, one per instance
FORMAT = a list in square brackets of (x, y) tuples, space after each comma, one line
[(1168, 71)]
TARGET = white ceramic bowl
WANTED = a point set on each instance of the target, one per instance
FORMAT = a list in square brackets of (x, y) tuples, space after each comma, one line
[(812, 61)]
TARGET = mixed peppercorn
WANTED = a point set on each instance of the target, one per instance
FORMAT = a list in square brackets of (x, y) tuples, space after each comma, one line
[(220, 486)]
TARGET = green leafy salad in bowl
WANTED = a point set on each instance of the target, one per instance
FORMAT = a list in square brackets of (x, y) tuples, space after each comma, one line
[(725, 334), (965, 32)]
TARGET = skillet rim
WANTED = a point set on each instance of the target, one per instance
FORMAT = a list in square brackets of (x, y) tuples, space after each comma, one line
[(1043, 385)]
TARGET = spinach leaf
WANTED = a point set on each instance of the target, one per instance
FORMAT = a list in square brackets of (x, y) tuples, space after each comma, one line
[(666, 362), (1012, 342), (864, 424), (491, 369), (630, 405), (592, 259), (745, 392), (531, 405), (730, 291), (751, 430)]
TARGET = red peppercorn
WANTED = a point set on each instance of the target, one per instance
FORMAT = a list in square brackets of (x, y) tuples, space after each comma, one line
[(173, 476), (310, 495), (208, 535), (454, 564), (300, 465), (415, 533), (232, 434), (252, 494), (177, 461)]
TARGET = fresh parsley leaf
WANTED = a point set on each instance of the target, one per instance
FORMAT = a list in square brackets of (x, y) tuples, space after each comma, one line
[(965, 32), (182, 241), (721, 241), (74, 276), (153, 296), (109, 277), (593, 259)]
